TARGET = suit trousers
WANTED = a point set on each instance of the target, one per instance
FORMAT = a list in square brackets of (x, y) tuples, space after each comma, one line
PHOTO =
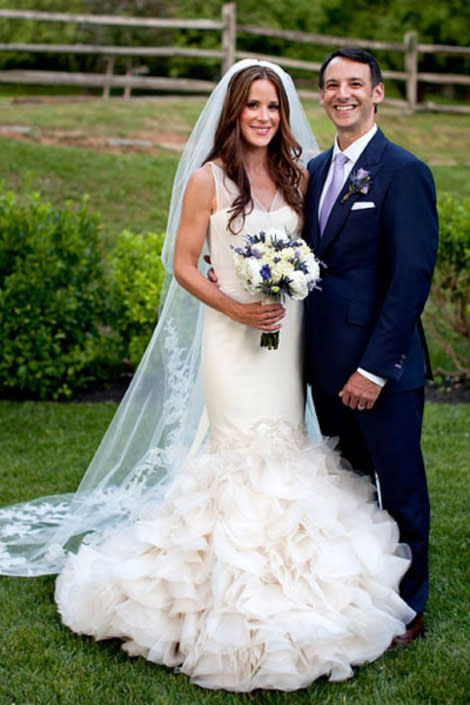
[(386, 441)]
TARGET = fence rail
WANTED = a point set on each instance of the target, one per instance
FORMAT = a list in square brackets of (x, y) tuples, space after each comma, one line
[(111, 20), (113, 50), (229, 32)]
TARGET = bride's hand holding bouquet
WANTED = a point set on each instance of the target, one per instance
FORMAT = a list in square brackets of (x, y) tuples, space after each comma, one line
[(276, 265)]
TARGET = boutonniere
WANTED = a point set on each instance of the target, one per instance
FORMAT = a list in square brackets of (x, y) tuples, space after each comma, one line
[(360, 183)]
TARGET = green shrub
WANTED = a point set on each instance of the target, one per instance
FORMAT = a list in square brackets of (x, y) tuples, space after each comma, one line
[(450, 298), (137, 274), (52, 341)]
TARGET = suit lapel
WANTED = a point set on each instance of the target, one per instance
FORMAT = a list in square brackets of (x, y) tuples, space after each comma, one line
[(316, 190), (370, 160)]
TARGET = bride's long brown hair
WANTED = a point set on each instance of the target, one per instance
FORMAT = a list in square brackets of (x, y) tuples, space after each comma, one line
[(283, 150)]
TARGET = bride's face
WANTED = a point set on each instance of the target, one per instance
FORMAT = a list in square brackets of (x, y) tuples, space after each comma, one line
[(260, 118)]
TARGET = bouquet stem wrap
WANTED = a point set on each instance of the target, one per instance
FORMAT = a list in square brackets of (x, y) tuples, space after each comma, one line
[(270, 340)]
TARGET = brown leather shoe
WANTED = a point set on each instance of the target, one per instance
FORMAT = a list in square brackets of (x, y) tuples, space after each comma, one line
[(414, 630)]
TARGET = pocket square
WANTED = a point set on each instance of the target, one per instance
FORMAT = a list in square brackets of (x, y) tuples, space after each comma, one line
[(362, 205)]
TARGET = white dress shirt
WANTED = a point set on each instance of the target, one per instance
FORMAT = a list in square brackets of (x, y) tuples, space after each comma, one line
[(353, 152)]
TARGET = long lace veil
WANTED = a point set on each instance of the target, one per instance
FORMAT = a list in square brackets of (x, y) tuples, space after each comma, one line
[(161, 418)]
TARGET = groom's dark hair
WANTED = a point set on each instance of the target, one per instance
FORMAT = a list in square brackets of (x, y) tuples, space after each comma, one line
[(354, 54)]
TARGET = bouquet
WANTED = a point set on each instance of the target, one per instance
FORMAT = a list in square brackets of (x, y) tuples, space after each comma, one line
[(276, 265)]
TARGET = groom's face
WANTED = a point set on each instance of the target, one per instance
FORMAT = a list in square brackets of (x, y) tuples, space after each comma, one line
[(349, 98)]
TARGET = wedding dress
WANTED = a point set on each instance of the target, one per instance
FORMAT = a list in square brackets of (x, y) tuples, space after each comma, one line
[(267, 565)]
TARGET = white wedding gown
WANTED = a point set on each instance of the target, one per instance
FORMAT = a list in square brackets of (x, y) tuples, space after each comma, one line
[(267, 565)]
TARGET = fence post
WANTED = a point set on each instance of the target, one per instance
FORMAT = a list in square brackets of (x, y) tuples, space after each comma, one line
[(127, 90), (109, 72), (411, 66), (229, 34)]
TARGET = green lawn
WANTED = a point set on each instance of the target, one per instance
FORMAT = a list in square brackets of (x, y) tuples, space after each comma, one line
[(132, 189), (127, 190), (45, 448), (432, 136)]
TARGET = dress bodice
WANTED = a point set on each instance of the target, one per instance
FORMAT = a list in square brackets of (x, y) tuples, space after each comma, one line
[(278, 217), (245, 385)]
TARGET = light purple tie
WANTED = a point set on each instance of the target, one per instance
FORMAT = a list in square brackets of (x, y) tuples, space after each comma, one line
[(332, 193)]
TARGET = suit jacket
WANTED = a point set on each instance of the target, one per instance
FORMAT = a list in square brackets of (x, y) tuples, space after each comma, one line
[(379, 258)]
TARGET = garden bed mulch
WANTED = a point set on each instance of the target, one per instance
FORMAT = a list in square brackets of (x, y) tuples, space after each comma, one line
[(457, 392), (453, 391)]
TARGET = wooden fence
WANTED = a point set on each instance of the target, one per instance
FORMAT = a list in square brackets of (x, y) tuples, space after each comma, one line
[(229, 31)]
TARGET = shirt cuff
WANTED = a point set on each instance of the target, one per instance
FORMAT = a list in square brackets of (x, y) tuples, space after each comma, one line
[(381, 381)]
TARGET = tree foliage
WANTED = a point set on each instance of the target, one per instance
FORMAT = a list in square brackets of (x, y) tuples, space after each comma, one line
[(136, 279), (69, 319), (51, 298), (451, 283), (439, 23)]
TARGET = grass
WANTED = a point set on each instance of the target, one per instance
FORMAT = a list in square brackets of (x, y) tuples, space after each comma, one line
[(430, 136), (127, 190), (131, 190), (115, 117), (45, 447)]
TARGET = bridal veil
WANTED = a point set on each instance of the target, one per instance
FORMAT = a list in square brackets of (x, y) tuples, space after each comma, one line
[(161, 417)]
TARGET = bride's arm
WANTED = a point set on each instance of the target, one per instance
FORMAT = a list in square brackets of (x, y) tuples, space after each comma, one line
[(198, 204)]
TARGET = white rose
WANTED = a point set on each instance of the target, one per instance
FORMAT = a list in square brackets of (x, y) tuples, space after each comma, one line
[(253, 268), (298, 285)]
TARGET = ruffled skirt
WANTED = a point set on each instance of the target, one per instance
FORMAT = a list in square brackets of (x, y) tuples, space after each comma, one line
[(266, 567)]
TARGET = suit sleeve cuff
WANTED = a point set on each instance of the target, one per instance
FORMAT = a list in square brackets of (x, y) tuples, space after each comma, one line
[(381, 381)]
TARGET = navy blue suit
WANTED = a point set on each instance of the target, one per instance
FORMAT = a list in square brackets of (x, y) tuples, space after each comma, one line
[(379, 262)]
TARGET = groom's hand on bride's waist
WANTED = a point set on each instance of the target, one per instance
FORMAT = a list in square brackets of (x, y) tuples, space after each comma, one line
[(359, 392), (211, 275)]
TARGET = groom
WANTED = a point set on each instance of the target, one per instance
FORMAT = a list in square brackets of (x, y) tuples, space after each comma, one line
[(371, 218)]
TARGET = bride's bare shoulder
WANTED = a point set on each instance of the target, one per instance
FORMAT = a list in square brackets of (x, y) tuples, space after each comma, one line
[(201, 188), (202, 180)]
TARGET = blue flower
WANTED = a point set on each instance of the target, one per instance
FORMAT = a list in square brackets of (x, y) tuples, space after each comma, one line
[(259, 237), (265, 271)]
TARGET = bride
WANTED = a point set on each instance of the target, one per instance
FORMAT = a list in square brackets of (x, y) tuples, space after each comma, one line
[(216, 532)]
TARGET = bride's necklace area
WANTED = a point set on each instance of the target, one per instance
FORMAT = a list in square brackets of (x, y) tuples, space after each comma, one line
[(263, 190), (264, 201)]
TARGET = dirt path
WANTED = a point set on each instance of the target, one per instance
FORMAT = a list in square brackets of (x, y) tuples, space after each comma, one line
[(149, 140)]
